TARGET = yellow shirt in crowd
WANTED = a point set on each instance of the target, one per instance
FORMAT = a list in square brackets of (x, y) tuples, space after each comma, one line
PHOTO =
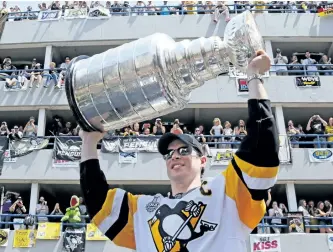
[(329, 130)]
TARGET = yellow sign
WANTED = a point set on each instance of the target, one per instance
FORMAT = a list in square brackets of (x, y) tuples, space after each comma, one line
[(49, 231), (326, 12), (94, 234), (24, 238)]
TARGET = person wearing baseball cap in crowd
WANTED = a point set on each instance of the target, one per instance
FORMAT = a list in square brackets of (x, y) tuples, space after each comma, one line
[(198, 215)]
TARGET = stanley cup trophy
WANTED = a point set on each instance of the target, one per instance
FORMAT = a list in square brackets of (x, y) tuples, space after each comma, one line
[(153, 76)]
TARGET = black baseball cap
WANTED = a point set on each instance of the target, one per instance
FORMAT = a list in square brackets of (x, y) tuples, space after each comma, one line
[(167, 138)]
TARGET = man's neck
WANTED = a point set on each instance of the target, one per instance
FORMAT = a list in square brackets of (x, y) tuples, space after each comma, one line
[(177, 187)]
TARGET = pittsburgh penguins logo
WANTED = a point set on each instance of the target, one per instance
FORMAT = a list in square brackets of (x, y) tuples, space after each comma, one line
[(3, 237), (173, 228)]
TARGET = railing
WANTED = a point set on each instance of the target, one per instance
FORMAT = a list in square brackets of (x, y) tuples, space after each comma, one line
[(303, 69), (180, 10), (317, 136), (233, 72), (318, 139), (13, 216), (264, 224)]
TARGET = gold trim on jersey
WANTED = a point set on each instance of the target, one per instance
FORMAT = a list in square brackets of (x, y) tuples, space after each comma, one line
[(110, 213), (256, 171), (250, 211), (126, 237), (106, 208)]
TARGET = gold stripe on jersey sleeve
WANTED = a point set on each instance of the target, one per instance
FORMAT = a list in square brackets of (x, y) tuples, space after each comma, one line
[(106, 208), (126, 237), (250, 211), (256, 171)]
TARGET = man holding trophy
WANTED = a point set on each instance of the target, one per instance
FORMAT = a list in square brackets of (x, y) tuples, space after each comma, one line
[(198, 215)]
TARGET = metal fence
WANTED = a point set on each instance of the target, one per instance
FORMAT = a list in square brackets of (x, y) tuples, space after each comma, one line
[(265, 222), (183, 10)]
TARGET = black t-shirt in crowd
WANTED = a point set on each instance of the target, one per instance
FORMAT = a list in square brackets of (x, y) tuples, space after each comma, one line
[(317, 127), (199, 138)]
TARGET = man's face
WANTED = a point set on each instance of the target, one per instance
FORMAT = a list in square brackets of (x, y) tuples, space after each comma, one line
[(41, 199), (307, 54), (183, 167)]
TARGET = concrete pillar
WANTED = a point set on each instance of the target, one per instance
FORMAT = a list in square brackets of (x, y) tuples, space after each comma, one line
[(48, 56), (330, 51), (269, 51), (291, 196), (34, 196), (280, 121), (41, 122)]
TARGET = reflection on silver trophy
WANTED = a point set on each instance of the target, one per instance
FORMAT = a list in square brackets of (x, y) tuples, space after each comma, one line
[(153, 76)]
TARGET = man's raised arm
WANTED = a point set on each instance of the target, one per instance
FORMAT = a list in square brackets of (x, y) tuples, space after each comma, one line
[(111, 210), (254, 167)]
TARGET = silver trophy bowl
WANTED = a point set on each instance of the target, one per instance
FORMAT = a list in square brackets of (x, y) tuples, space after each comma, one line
[(153, 76)]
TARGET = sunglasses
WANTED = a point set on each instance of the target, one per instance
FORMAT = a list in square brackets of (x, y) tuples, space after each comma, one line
[(182, 151)]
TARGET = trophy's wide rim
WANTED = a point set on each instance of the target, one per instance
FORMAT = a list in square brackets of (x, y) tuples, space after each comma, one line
[(71, 97)]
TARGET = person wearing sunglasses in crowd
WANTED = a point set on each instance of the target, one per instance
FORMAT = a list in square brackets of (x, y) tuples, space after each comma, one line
[(197, 215)]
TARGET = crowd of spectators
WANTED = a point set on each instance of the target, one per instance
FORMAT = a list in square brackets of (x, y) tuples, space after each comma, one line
[(315, 125), (314, 214), (37, 75), (307, 65), (125, 8), (320, 213), (33, 75), (219, 135), (15, 211), (17, 132)]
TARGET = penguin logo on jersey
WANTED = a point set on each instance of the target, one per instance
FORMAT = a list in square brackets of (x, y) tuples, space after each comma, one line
[(173, 228)]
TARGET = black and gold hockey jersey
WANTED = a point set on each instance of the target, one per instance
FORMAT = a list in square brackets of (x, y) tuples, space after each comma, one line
[(218, 216)]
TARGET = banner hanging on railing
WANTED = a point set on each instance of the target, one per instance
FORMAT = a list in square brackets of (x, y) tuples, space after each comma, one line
[(75, 13), (320, 155), (4, 234), (330, 241), (94, 234), (8, 158), (24, 238), (67, 152), (284, 150), (327, 11), (307, 81), (25, 146), (221, 156), (99, 12), (265, 243), (130, 144), (74, 240), (49, 231), (49, 15), (127, 157)]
